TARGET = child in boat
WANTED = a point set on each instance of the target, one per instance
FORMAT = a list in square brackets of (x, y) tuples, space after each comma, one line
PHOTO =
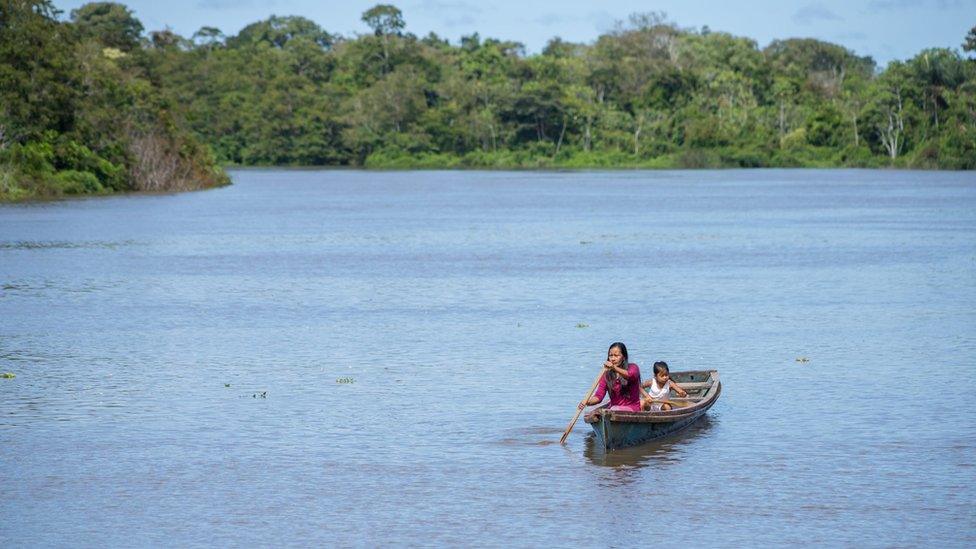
[(659, 388)]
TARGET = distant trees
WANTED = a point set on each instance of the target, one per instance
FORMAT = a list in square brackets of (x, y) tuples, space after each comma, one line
[(93, 104), (646, 93)]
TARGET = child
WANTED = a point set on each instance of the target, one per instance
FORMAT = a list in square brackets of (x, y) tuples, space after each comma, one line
[(659, 388)]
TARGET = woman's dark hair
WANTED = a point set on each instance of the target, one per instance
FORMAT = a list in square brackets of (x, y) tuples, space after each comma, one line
[(661, 366), (621, 346)]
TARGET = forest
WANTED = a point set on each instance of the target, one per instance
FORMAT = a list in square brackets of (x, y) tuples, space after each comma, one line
[(92, 103)]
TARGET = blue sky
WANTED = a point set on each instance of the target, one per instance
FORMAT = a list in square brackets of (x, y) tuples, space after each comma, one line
[(884, 29)]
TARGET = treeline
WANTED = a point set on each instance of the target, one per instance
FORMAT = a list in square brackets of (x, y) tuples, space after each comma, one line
[(80, 113), (285, 91)]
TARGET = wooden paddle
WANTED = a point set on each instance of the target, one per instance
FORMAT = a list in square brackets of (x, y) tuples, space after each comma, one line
[(580, 410)]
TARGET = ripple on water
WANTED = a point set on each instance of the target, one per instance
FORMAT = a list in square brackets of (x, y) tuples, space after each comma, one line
[(469, 312)]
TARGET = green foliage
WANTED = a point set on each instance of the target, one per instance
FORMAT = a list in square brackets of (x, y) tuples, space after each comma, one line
[(277, 32), (111, 24), (89, 106), (76, 182), (78, 109), (384, 19), (10, 185), (38, 88)]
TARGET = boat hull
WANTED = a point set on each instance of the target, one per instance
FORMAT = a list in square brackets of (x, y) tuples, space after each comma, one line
[(615, 429)]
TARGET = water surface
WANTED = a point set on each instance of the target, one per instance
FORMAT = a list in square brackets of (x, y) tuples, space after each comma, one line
[(314, 357)]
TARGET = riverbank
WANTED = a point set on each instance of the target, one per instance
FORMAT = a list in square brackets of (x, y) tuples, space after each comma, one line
[(15, 187), (681, 159), (710, 158)]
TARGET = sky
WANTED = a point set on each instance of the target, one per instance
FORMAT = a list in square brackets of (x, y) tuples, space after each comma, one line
[(884, 29)]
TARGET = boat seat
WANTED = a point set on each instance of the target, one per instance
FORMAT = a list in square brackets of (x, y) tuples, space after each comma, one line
[(694, 386)]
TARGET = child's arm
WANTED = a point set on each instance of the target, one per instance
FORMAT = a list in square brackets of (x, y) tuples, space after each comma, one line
[(647, 383), (677, 389)]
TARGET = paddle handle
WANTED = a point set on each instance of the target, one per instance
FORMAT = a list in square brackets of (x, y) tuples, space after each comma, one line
[(580, 410)]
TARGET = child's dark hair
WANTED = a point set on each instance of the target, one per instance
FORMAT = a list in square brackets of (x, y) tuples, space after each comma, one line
[(621, 346), (661, 366)]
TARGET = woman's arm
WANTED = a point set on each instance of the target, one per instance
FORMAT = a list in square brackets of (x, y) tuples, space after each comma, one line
[(601, 391), (622, 371)]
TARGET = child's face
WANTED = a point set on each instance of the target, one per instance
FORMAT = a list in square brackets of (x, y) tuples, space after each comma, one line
[(662, 377)]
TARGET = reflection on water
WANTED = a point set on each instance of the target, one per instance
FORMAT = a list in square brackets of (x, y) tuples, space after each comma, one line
[(667, 449), (531, 436)]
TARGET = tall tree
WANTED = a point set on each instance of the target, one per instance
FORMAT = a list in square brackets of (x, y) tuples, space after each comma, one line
[(969, 44), (386, 21), (112, 24)]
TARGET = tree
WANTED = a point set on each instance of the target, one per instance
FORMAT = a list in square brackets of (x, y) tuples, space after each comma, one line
[(821, 66), (557, 47), (853, 100), (279, 31), (970, 43), (164, 39), (386, 109), (784, 91), (208, 37), (384, 19), (38, 76), (114, 25), (890, 108), (83, 115), (938, 69)]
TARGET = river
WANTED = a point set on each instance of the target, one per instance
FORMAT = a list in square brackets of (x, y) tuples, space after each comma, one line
[(354, 357)]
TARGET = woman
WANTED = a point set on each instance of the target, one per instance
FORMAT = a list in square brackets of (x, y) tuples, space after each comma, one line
[(621, 378)]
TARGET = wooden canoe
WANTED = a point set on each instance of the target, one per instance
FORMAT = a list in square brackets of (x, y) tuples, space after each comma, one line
[(616, 429)]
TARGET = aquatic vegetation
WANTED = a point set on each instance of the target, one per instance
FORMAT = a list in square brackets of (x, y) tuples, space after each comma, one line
[(345, 380), (7, 375), (803, 359), (582, 325)]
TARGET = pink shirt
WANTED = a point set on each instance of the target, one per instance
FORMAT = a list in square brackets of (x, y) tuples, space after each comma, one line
[(624, 394)]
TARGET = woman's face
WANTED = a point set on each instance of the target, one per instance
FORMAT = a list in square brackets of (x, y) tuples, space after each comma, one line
[(615, 357)]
